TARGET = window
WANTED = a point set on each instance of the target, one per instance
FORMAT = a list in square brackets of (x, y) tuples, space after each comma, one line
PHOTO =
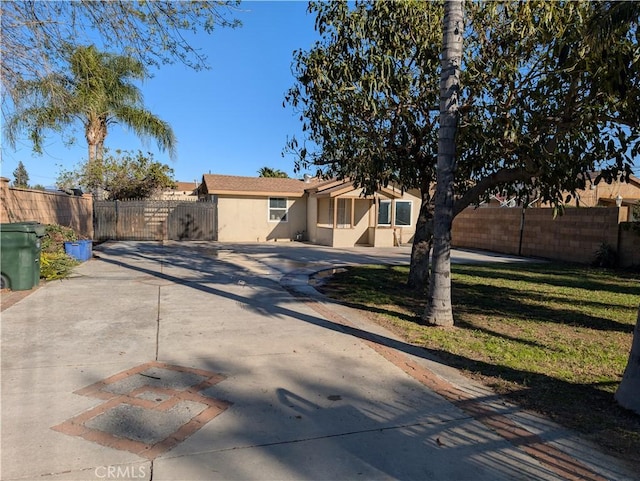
[(342, 210), (343, 220), (277, 209), (384, 212), (403, 212), (325, 212)]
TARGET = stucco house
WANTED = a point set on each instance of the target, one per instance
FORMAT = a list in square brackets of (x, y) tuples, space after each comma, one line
[(340, 215), (182, 191), (256, 209), (617, 192), (332, 213)]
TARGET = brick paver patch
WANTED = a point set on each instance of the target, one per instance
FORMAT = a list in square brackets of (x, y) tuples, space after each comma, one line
[(148, 410)]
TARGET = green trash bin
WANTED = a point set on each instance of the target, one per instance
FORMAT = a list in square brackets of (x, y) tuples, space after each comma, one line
[(20, 254)]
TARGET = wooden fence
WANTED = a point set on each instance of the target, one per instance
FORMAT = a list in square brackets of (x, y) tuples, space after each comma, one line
[(46, 207), (155, 220)]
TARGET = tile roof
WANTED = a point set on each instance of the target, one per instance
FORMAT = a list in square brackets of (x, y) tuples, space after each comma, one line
[(238, 185)]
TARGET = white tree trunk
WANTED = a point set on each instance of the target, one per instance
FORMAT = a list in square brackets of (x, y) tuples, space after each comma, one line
[(439, 310), (628, 393)]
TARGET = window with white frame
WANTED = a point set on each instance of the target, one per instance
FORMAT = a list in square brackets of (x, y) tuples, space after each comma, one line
[(277, 209), (402, 212), (384, 212)]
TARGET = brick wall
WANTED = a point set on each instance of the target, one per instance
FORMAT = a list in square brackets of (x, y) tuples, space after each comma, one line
[(19, 205), (573, 237)]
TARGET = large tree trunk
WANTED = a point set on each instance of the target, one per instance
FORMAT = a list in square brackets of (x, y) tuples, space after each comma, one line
[(422, 242), (96, 133), (439, 310), (628, 393)]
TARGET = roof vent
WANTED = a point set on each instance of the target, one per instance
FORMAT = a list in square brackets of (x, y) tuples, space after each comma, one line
[(307, 178)]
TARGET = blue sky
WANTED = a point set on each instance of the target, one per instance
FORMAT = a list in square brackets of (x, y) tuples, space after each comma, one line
[(228, 120)]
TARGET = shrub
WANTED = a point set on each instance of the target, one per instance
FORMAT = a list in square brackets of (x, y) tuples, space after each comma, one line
[(54, 263), (55, 237), (606, 256)]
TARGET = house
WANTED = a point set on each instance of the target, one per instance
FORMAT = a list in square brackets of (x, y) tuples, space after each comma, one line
[(183, 191), (616, 193), (256, 209), (332, 213), (340, 215)]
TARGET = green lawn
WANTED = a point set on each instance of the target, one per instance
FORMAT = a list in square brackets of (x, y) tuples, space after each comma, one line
[(553, 338)]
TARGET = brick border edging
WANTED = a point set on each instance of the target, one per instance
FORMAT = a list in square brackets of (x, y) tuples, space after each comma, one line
[(532, 444), (76, 425)]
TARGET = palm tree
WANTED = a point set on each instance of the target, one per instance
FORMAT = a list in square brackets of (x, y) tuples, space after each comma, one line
[(270, 172), (439, 310), (98, 92)]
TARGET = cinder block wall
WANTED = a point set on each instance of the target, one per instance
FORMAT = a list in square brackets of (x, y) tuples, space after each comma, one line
[(18, 205), (629, 244), (572, 237), (575, 236), (489, 229)]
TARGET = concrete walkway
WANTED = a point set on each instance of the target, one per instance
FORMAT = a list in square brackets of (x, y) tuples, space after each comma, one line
[(204, 361)]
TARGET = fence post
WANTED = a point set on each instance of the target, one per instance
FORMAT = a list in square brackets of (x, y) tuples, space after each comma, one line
[(521, 232), (165, 229), (118, 236)]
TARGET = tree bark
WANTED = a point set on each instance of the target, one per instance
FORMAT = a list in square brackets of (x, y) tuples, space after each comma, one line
[(96, 133), (628, 393), (92, 151), (439, 310), (422, 243)]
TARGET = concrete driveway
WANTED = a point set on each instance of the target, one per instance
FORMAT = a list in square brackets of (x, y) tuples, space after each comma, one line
[(205, 361)]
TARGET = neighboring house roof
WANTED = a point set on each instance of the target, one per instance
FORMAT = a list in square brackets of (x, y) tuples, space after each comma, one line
[(604, 193), (253, 186), (323, 185), (215, 184), (336, 188), (186, 186)]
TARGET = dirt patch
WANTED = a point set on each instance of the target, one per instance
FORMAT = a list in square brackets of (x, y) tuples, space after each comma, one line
[(8, 297)]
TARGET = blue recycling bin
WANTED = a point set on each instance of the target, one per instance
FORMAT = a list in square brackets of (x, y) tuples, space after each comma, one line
[(80, 250)]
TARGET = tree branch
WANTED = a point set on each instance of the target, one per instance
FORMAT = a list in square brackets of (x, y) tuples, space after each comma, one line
[(503, 176)]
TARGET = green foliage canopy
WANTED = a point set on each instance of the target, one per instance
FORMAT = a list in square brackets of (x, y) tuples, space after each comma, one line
[(367, 93), (548, 97), (124, 175), (270, 172), (549, 94), (21, 176)]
